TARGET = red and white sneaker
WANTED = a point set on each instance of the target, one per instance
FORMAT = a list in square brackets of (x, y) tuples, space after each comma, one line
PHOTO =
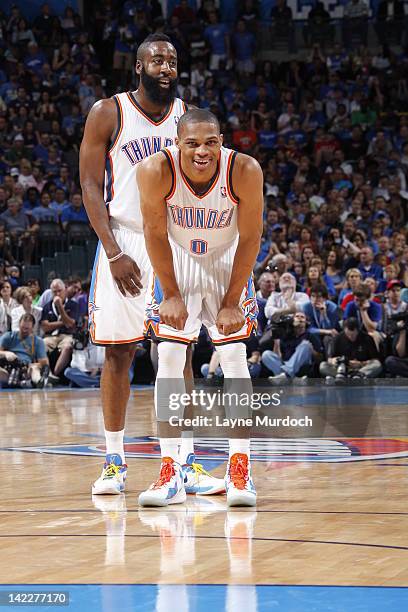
[(238, 481), (168, 488)]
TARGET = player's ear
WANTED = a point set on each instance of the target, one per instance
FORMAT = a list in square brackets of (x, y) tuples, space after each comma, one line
[(138, 67), (177, 142), (221, 138)]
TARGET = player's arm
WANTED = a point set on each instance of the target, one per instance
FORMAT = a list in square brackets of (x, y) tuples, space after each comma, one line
[(155, 181), (247, 181), (100, 125)]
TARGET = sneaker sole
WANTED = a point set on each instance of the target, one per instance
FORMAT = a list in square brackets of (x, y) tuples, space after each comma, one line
[(241, 500), (213, 491), (147, 499), (107, 491)]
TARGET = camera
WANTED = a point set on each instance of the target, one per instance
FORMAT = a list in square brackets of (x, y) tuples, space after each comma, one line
[(81, 339), (397, 322), (17, 371), (283, 328), (341, 367)]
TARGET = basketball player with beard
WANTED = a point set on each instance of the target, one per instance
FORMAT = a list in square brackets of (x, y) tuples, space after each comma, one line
[(119, 133)]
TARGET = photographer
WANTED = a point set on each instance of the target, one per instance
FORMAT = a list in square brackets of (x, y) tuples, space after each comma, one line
[(86, 366), (287, 301), (58, 321), (397, 364), (297, 350), (23, 355), (323, 317), (355, 355)]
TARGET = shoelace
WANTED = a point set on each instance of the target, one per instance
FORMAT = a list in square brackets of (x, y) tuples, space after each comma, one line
[(111, 470), (166, 473), (239, 473), (199, 470)]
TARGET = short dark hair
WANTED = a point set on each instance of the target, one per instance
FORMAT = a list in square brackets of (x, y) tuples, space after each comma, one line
[(362, 291), (27, 317), (351, 324), (197, 115), (319, 289), (152, 38)]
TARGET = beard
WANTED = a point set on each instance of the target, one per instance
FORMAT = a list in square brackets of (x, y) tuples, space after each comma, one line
[(155, 92)]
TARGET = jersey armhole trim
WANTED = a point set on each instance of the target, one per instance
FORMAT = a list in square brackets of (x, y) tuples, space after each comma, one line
[(119, 128), (185, 107), (230, 167), (173, 174)]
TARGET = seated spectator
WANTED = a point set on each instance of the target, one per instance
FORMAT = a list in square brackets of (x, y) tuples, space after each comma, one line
[(367, 312), (367, 266), (217, 36), (287, 300), (33, 285), (75, 212), (390, 21), (86, 366), (18, 227), (25, 301), (353, 280), (266, 285), (282, 24), (357, 349), (23, 345), (393, 302), (58, 322), (323, 317), (293, 353), (44, 213), (334, 270), (8, 302)]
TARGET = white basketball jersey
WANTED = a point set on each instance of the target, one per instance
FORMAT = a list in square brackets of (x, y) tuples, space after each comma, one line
[(201, 224), (137, 137)]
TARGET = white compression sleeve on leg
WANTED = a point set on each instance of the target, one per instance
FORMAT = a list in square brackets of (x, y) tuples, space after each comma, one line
[(233, 360)]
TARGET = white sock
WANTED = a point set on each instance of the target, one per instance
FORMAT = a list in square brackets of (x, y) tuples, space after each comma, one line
[(170, 448), (239, 445), (114, 443), (186, 446)]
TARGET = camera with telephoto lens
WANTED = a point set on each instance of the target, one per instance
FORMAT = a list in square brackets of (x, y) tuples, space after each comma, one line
[(341, 367), (17, 371), (283, 328), (81, 339), (397, 322)]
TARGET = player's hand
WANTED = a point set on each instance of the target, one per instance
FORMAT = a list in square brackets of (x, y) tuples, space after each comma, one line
[(127, 275), (173, 312), (9, 356), (230, 320)]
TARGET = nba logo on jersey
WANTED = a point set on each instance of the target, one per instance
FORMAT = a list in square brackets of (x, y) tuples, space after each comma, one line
[(176, 119), (223, 192)]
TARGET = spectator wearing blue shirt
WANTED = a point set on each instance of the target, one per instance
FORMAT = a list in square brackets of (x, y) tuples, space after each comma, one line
[(24, 346), (243, 45), (218, 38), (59, 202), (323, 317), (367, 266), (44, 213), (367, 312), (75, 212), (35, 59), (41, 150)]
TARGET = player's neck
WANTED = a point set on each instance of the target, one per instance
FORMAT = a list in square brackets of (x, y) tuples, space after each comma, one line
[(200, 184), (151, 108)]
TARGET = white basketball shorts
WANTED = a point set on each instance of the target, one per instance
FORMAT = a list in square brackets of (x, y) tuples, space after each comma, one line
[(114, 318), (203, 283)]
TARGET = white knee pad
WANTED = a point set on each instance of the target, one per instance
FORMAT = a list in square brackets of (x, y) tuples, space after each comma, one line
[(233, 360), (172, 358)]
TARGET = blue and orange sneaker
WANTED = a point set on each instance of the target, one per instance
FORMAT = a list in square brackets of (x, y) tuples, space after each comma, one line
[(238, 481), (112, 479), (197, 481), (168, 488)]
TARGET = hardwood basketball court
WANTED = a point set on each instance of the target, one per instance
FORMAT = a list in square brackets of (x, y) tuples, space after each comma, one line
[(331, 514)]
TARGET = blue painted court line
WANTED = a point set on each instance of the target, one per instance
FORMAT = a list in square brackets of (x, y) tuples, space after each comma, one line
[(217, 598)]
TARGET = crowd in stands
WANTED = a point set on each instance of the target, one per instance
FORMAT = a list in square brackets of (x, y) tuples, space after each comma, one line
[(329, 127)]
